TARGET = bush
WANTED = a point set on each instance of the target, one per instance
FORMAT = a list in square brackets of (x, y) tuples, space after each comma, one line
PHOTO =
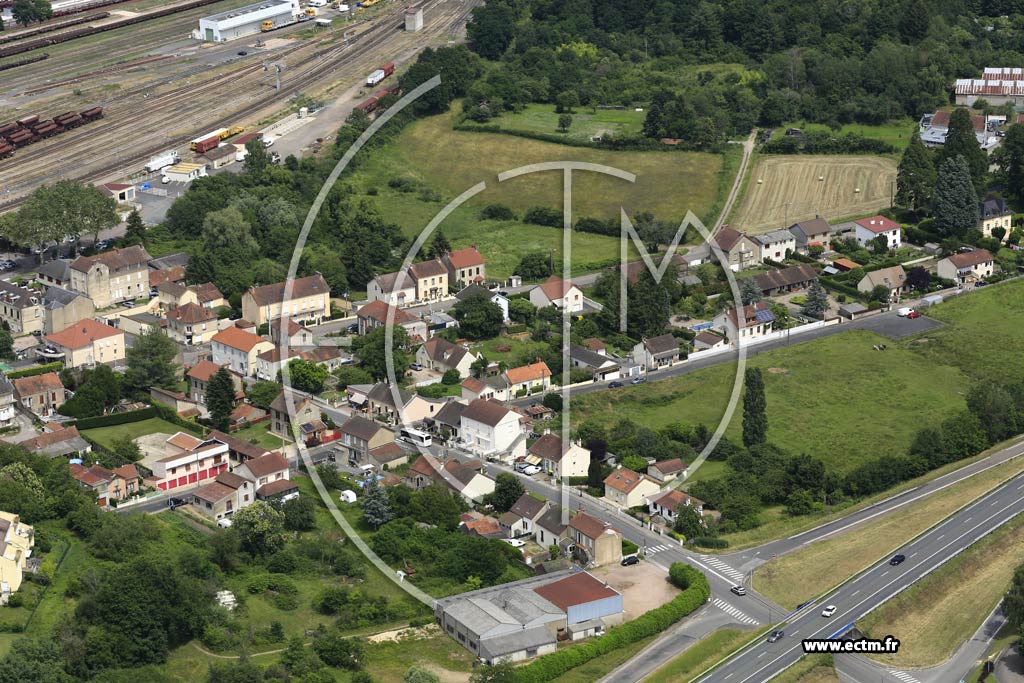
[(710, 542), (695, 594), (56, 366), (629, 548), (451, 377), (542, 215), (403, 184), (424, 620), (497, 212)]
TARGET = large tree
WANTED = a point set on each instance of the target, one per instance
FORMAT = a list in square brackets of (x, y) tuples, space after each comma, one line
[(261, 528), (492, 28), (135, 229), (306, 375), (1011, 161), (372, 353), (689, 522), (151, 362), (755, 409), (750, 293), (27, 11), (915, 177), (507, 490), (220, 398), (376, 505), (956, 204), (479, 317), (962, 141)]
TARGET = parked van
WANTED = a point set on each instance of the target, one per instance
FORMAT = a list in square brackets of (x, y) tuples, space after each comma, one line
[(904, 312)]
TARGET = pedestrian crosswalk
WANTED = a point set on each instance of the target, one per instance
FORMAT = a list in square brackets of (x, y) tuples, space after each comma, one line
[(904, 676), (733, 612), (722, 568), (657, 549)]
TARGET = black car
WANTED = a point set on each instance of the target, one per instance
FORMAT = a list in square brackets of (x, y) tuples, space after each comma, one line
[(353, 328), (981, 283), (630, 561), (242, 53), (897, 559), (615, 385), (775, 636), (175, 502)]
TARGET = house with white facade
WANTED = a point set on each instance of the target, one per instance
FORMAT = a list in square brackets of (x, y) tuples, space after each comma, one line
[(489, 427), (559, 293), (774, 245), (561, 458), (239, 350), (867, 230), (967, 267)]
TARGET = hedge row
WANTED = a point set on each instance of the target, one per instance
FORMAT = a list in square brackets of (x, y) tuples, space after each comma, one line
[(710, 542), (695, 593), (55, 366), (163, 412), (829, 283)]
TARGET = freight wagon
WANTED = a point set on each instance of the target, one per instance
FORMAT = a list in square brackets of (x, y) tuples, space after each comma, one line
[(30, 129), (380, 74)]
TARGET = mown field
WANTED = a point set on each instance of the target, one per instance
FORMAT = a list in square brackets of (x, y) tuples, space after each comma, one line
[(798, 187), (834, 398), (586, 122), (448, 162)]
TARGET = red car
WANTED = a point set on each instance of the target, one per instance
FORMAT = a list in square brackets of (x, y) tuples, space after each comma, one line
[(913, 314)]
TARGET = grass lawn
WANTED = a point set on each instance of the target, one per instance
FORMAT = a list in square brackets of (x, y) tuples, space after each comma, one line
[(600, 667), (834, 398), (935, 615), (450, 162), (260, 432), (810, 669), (798, 576), (586, 123), (388, 661), (896, 133), (984, 333), (516, 348), (701, 656), (106, 436)]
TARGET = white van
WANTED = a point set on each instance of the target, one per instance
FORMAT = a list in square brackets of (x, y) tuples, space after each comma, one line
[(904, 312)]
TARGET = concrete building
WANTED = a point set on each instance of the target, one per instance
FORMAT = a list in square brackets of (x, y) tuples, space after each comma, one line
[(184, 460), (184, 172), (593, 540), (62, 308), (238, 349), (465, 267), (414, 18), (525, 619), (112, 276), (969, 267), (16, 541), (869, 229), (440, 355), (191, 324), (245, 21), (774, 245), (87, 342), (489, 427), (997, 86), (40, 394), (360, 436), (305, 299), (812, 233), (394, 289), (755, 320), (199, 375), (21, 308)]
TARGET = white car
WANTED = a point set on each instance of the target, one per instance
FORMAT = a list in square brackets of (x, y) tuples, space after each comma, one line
[(828, 611), (514, 542), (904, 312), (531, 470), (224, 523)]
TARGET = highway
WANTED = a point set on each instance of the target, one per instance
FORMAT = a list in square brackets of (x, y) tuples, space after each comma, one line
[(856, 598)]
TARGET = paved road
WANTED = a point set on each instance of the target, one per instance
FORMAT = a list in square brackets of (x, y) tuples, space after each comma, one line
[(858, 597)]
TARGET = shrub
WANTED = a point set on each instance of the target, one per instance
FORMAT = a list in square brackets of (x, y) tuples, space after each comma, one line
[(542, 215), (710, 542), (56, 366), (497, 212), (403, 184)]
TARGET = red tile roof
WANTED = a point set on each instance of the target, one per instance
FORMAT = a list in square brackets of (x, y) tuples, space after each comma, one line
[(624, 480), (134, 256), (528, 373), (555, 287), (465, 258), (203, 370), (971, 258), (577, 589), (191, 313), (83, 333), (591, 527), (238, 339), (878, 224), (38, 384), (380, 310)]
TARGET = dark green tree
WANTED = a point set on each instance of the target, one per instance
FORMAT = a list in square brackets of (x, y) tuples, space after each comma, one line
[(344, 653), (135, 229), (260, 526), (299, 514), (1013, 603), (507, 490), (6, 344), (534, 266), (755, 409), (439, 246), (750, 293), (451, 377), (262, 393), (914, 22), (503, 672), (376, 506), (151, 362), (564, 122), (915, 177), (479, 317), (521, 311), (492, 28), (1010, 158), (956, 204), (372, 354), (962, 141), (307, 375), (257, 158), (220, 398), (689, 522)]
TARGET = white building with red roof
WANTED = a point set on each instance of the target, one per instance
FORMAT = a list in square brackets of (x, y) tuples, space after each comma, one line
[(238, 349), (87, 343), (559, 293), (465, 266), (868, 229)]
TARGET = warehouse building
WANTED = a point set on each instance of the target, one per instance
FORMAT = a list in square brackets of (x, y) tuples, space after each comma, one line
[(526, 619), (247, 20)]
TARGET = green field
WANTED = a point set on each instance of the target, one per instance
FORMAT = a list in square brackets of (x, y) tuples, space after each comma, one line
[(435, 157), (896, 133), (586, 122), (984, 335), (834, 398), (106, 436), (261, 433)]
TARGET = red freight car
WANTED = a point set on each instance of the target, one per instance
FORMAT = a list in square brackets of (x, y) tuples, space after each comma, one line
[(8, 128), (92, 114), (68, 121), (28, 121), (389, 69), (207, 144), (6, 150), (21, 138), (47, 129), (369, 105)]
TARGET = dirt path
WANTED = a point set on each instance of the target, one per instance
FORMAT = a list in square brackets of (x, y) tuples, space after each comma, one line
[(737, 183)]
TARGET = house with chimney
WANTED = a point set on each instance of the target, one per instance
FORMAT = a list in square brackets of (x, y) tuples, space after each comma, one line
[(489, 427), (40, 394), (894, 279), (191, 324), (866, 230), (628, 489), (112, 276), (305, 299), (595, 541), (561, 458), (440, 355), (748, 322), (465, 267), (968, 267), (238, 349), (521, 517), (21, 308), (812, 233), (108, 485), (654, 353), (87, 343), (561, 294), (740, 251)]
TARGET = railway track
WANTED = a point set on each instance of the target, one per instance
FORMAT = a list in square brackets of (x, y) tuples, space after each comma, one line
[(307, 71)]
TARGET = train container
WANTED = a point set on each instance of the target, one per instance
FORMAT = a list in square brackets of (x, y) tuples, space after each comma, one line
[(162, 161), (74, 121), (220, 134), (28, 121), (374, 78), (65, 115), (369, 105), (8, 128), (6, 150), (206, 145), (47, 129), (92, 114), (241, 142), (21, 138), (388, 69)]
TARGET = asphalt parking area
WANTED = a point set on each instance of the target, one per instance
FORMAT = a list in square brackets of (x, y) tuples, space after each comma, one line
[(895, 327)]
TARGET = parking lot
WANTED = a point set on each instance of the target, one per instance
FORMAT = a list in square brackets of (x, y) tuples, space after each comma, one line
[(643, 586)]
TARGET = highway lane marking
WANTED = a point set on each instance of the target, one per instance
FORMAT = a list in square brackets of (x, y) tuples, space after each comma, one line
[(734, 612), (885, 587), (761, 655), (904, 676), (941, 537), (854, 594), (911, 500), (994, 502), (885, 573), (912, 556)]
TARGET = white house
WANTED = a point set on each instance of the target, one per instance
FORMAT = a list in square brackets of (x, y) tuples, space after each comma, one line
[(968, 267), (489, 427), (395, 289), (667, 504), (774, 245), (656, 352), (239, 350), (602, 367), (561, 459), (754, 321), (868, 229), (558, 293), (440, 355), (495, 298)]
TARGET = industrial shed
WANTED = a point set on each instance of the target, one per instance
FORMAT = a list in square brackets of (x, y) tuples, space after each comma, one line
[(526, 619), (247, 20)]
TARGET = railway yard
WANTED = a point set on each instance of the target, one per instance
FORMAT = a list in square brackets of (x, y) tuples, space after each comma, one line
[(159, 87)]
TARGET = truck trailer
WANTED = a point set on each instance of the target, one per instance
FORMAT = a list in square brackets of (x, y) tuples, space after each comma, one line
[(162, 161)]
